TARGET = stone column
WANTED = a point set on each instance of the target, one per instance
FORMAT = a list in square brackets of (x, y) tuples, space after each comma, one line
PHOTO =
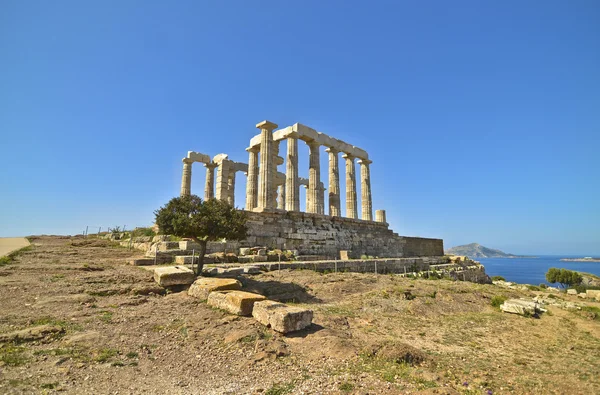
[(334, 182), (314, 177), (365, 190), (277, 160), (380, 216), (350, 187), (281, 197), (252, 182), (209, 186), (292, 189), (223, 180), (186, 177), (321, 202), (231, 188), (265, 187)]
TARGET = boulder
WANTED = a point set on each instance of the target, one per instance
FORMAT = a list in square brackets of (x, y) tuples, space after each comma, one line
[(521, 306), (203, 286), (571, 292), (173, 275), (281, 317), (582, 295), (235, 302)]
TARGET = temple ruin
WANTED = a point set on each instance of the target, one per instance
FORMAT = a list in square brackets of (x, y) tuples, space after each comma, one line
[(273, 198)]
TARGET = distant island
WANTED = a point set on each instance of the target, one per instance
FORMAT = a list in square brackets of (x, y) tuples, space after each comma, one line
[(585, 259), (475, 250)]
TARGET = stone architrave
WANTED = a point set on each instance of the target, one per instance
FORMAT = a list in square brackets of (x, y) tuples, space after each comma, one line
[(334, 182), (292, 188), (351, 211), (265, 186), (186, 177), (209, 186), (365, 190), (252, 183), (314, 177)]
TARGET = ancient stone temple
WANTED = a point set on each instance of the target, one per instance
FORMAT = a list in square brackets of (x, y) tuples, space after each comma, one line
[(273, 197)]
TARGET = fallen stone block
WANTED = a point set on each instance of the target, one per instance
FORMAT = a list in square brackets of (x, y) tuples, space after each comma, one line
[(593, 294), (251, 270), (571, 292), (235, 302), (186, 259), (522, 307), (203, 286), (173, 275), (582, 295), (230, 271), (245, 251), (281, 317)]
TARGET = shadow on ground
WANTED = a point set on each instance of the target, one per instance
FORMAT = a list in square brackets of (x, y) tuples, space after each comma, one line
[(279, 291)]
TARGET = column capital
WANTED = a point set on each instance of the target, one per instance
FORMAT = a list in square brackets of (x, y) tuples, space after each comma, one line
[(313, 144), (365, 161), (187, 161), (266, 125), (256, 148), (348, 156), (210, 165), (332, 150)]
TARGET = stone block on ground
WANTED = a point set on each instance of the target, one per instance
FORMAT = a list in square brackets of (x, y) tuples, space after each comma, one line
[(251, 269), (186, 259), (593, 294), (189, 245), (173, 275), (203, 286), (520, 306), (281, 317), (245, 251), (571, 292), (230, 271), (235, 302)]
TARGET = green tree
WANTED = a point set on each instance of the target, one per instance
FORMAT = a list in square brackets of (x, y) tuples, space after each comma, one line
[(564, 277), (201, 221)]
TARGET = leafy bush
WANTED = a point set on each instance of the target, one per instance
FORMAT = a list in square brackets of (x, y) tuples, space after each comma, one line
[(543, 286), (498, 278), (498, 300)]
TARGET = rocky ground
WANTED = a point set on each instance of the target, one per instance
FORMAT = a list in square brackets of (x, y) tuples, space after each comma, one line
[(74, 318)]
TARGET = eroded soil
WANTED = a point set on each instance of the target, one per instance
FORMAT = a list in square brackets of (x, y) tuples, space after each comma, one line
[(109, 330)]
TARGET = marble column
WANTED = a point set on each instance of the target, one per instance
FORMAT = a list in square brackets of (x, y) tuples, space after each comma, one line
[(334, 182), (380, 216), (365, 190), (231, 188), (292, 189), (321, 202), (252, 182), (265, 186), (223, 180), (314, 177), (209, 186), (350, 187), (277, 160), (281, 197), (186, 177)]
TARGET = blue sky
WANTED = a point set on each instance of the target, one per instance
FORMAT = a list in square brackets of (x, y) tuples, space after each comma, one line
[(482, 118)]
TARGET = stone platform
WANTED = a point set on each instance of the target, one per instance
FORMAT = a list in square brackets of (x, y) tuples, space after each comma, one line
[(316, 234)]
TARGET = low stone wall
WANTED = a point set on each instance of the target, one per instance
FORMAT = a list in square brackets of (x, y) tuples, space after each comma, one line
[(314, 234)]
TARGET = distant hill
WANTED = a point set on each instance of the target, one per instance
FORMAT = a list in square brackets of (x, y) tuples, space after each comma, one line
[(475, 250)]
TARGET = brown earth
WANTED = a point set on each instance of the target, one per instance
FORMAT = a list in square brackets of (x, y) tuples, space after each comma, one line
[(105, 328)]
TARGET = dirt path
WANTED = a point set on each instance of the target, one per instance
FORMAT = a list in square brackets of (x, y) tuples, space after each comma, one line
[(110, 329), (10, 244)]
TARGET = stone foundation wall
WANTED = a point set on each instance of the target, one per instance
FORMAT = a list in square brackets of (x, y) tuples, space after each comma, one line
[(314, 234)]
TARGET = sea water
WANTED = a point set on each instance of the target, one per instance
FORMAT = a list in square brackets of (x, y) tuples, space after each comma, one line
[(533, 270)]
